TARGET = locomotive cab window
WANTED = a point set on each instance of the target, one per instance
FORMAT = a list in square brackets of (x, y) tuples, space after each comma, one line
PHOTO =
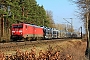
[(17, 26), (20, 26)]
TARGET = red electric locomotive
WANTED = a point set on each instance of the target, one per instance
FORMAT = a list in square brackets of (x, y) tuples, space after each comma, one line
[(27, 31)]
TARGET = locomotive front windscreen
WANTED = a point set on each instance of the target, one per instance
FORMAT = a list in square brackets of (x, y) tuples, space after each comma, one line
[(17, 26)]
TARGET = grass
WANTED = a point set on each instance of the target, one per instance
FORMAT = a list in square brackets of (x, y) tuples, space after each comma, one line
[(75, 48)]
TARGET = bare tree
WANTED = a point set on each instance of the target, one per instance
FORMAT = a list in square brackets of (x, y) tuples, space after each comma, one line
[(50, 18), (84, 6)]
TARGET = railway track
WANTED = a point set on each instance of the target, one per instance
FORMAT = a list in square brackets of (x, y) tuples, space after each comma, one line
[(13, 46)]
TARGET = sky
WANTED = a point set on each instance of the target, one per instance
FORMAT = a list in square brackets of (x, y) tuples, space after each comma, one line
[(62, 9)]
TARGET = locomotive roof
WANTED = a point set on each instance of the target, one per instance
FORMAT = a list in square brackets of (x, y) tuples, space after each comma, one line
[(33, 25)]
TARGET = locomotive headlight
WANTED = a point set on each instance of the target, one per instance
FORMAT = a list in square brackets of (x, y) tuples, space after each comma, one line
[(20, 30), (13, 31)]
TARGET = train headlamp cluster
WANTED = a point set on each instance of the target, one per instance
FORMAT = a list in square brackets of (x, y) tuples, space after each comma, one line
[(20, 30)]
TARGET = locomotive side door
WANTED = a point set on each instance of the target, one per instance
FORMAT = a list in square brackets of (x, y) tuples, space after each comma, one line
[(25, 31)]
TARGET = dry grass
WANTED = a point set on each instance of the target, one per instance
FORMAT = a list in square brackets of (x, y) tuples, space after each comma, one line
[(74, 48)]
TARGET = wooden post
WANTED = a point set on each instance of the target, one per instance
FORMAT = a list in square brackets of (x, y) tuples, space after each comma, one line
[(0, 28), (3, 23), (81, 32)]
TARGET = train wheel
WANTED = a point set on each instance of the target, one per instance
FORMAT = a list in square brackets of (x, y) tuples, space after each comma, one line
[(28, 38), (23, 39), (13, 40)]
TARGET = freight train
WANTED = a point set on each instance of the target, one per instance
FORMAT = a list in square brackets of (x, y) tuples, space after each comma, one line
[(34, 32)]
